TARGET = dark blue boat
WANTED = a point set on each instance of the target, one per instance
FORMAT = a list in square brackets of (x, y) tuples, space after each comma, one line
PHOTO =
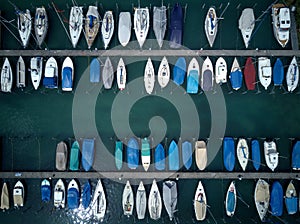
[(179, 71), (229, 153), (173, 156), (255, 154), (276, 201), (87, 159), (176, 26), (86, 195), (133, 153), (187, 154), (95, 71), (278, 73), (159, 157), (45, 190), (296, 156), (236, 75), (73, 195)]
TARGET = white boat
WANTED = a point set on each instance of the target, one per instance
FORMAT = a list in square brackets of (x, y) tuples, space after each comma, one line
[(200, 203), (75, 24), (262, 198), (18, 194), (59, 194), (170, 197), (40, 25), (149, 77), (124, 28), (108, 74), (242, 151), (201, 154), (271, 154), (51, 74), (24, 26), (121, 74), (264, 71), (141, 24), (98, 203), (21, 74), (154, 202), (246, 24), (221, 70), (159, 23), (163, 76), (211, 25), (107, 28), (207, 75), (92, 25), (6, 77), (4, 197), (67, 74), (36, 69), (230, 202), (281, 23), (141, 201), (292, 75), (127, 200)]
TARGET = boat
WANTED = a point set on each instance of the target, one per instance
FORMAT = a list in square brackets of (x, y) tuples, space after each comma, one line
[(160, 23), (98, 203), (250, 74), (6, 77), (127, 200), (141, 201), (141, 24), (95, 71), (51, 74), (221, 70), (200, 203), (40, 25), (146, 154), (246, 25), (296, 156), (75, 24), (264, 71), (159, 157), (119, 154), (88, 148), (276, 201), (230, 202), (278, 72), (193, 77), (149, 77), (170, 197), (163, 76), (281, 23), (207, 75), (292, 75), (121, 74), (255, 154), (291, 199), (24, 26), (92, 24), (86, 195), (262, 198), (133, 153), (179, 71), (59, 194), (173, 156), (154, 202), (201, 154), (211, 25), (4, 197), (229, 153), (21, 74), (242, 152), (67, 75), (124, 28), (107, 28), (108, 74), (187, 154), (61, 156), (74, 156), (36, 69), (45, 190), (236, 75), (18, 194), (271, 154), (176, 26)]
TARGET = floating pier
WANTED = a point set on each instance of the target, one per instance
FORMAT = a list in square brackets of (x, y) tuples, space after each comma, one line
[(293, 32)]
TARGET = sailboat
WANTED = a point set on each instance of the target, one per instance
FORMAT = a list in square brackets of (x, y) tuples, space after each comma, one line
[(141, 201), (4, 197), (98, 203), (207, 75), (264, 71), (21, 75), (149, 77), (59, 194), (159, 23), (108, 74), (211, 25), (51, 74), (141, 24), (146, 154), (281, 23), (271, 154), (24, 26), (221, 71), (75, 24), (262, 198), (176, 26), (193, 77), (36, 69), (6, 77), (242, 152), (121, 74), (230, 202), (127, 200), (201, 154), (107, 28), (92, 24), (236, 75), (246, 24), (200, 202), (124, 28), (163, 76), (40, 25), (170, 197), (292, 75), (18, 194), (228, 153), (154, 202)]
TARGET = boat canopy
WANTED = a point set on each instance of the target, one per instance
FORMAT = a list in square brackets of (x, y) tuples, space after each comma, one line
[(133, 153), (296, 156), (193, 81), (67, 79), (50, 82), (291, 204), (46, 192), (231, 202), (276, 201), (73, 198), (284, 18), (86, 195)]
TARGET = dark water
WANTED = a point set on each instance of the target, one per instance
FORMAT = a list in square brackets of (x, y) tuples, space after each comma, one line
[(33, 122)]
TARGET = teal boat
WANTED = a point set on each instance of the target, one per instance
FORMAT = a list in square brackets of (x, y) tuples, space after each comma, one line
[(74, 156), (119, 154), (146, 157)]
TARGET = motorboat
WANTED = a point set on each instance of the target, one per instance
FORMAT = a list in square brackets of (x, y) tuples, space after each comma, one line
[(221, 71), (18, 194), (250, 74), (179, 71), (45, 190), (95, 71), (264, 71), (281, 21), (201, 154), (73, 195), (228, 153), (59, 194), (67, 75), (276, 201), (74, 156), (146, 154), (207, 75), (193, 77), (50, 79), (121, 74), (21, 73), (159, 157), (36, 69), (61, 156)]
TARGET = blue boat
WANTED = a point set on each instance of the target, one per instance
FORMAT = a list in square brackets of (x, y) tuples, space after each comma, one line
[(236, 75), (229, 153), (51, 74), (86, 195), (119, 154), (176, 26), (179, 71), (133, 153), (95, 71), (187, 154), (88, 148), (255, 154), (193, 77), (173, 156), (276, 201), (278, 73), (230, 202), (291, 199), (159, 157), (296, 156), (45, 190), (67, 75), (73, 195)]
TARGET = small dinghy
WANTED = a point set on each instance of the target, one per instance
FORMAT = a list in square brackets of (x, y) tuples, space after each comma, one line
[(193, 77), (242, 152), (141, 201), (230, 202), (170, 197), (154, 202), (160, 23), (119, 154), (159, 157), (95, 70), (291, 199), (6, 77), (278, 73), (149, 77), (200, 203), (59, 194), (264, 71), (24, 26), (75, 24), (21, 73), (207, 75), (229, 153), (292, 75), (73, 195), (86, 195), (74, 156), (98, 203), (281, 21), (4, 197), (88, 148), (107, 28), (236, 75), (141, 24), (262, 198), (250, 74), (187, 154), (61, 156), (45, 190), (92, 25), (40, 25), (121, 74), (271, 154), (163, 76), (124, 28), (18, 194), (146, 154), (276, 201), (176, 26), (211, 25), (255, 154), (173, 156), (133, 153), (51, 74), (246, 24), (179, 71), (36, 69), (127, 200), (221, 71), (296, 156), (67, 75), (108, 74), (201, 154)]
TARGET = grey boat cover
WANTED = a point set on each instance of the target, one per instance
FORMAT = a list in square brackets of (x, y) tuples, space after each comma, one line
[(170, 197), (159, 23), (108, 74), (207, 80), (247, 20), (61, 156), (4, 197)]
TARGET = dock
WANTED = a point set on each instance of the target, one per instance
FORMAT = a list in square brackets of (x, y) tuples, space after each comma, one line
[(293, 32)]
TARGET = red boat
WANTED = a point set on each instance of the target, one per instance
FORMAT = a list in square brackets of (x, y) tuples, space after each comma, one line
[(250, 74)]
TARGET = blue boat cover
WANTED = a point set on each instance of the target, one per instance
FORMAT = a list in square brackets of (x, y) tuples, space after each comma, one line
[(296, 156), (207, 80), (278, 72), (276, 201), (159, 157), (50, 82), (67, 79), (119, 154), (133, 153), (179, 71), (192, 82), (231, 201), (173, 156), (229, 153), (255, 154), (236, 79), (95, 71), (291, 204), (86, 195), (176, 26), (46, 192), (187, 154), (87, 154), (73, 198)]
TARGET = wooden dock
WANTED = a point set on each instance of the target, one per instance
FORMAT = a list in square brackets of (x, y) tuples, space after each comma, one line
[(293, 32)]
